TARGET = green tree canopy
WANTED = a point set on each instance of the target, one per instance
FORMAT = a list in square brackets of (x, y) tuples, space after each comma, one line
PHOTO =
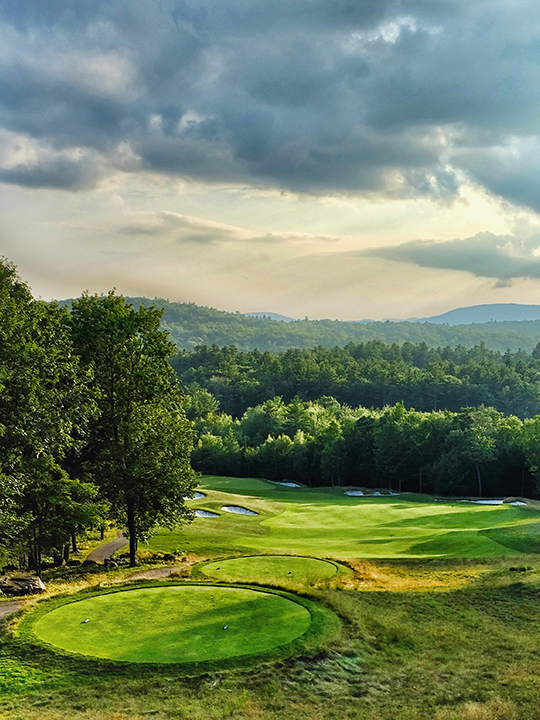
[(140, 445)]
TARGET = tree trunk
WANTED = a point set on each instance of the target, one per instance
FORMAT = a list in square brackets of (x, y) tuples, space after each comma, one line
[(132, 533), (37, 551), (102, 532), (66, 553), (73, 542), (479, 480)]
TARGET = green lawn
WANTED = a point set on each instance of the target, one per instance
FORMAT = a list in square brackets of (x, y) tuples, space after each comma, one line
[(174, 624), (273, 569), (323, 522)]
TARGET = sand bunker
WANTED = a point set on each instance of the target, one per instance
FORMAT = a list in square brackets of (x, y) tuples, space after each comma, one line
[(238, 509), (484, 502), (196, 496), (205, 514), (353, 493), (288, 484)]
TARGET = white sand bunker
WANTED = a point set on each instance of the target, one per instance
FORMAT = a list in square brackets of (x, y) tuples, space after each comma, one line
[(238, 509), (196, 496), (353, 493), (286, 483), (205, 513), (485, 502), (376, 492), (517, 502)]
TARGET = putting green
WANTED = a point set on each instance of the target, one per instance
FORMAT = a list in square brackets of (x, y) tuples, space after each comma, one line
[(174, 624), (268, 568), (323, 522)]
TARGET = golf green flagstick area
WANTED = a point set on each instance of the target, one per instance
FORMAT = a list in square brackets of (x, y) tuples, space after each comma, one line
[(175, 624), (325, 523), (271, 569)]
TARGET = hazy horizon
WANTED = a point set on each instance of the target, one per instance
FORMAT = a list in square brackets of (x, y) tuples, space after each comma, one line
[(315, 158)]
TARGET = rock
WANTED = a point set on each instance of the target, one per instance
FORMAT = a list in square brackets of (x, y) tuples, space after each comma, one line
[(89, 563), (168, 557), (16, 586)]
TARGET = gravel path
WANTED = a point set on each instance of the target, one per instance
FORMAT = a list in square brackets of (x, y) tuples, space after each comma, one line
[(8, 608), (103, 552), (156, 573)]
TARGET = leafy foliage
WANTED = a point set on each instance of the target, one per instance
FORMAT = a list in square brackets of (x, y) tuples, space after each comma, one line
[(45, 405), (371, 374), (139, 445)]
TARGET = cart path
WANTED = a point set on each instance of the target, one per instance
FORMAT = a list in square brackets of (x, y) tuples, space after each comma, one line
[(103, 552), (156, 573), (10, 607)]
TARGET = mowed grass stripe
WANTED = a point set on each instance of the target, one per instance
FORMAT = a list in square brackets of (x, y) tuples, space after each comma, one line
[(174, 624), (322, 522)]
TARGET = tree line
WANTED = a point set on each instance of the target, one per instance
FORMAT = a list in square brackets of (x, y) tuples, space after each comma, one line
[(371, 374), (476, 451), (92, 426), (190, 325)]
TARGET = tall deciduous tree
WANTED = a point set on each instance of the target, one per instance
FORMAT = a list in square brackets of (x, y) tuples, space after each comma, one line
[(45, 404), (140, 446)]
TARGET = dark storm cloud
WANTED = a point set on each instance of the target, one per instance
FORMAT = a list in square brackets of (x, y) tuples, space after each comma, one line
[(57, 172), (393, 97), (484, 255)]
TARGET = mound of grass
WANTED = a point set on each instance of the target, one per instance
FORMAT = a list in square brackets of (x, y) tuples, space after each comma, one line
[(520, 538), (272, 569), (174, 623), (323, 522)]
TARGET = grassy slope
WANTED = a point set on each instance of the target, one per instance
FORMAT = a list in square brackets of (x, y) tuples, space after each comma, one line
[(471, 654), (441, 640), (325, 523)]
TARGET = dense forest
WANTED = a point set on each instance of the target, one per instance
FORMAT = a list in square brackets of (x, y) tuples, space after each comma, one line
[(190, 325), (92, 427), (371, 374), (450, 421), (473, 452)]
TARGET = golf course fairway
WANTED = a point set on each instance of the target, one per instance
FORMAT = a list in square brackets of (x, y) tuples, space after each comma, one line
[(325, 523), (174, 624), (270, 568)]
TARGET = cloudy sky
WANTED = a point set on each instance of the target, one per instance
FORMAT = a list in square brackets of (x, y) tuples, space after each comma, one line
[(328, 158)]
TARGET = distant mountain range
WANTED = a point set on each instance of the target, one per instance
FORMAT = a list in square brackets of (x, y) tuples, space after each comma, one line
[(496, 312), (271, 315), (191, 325)]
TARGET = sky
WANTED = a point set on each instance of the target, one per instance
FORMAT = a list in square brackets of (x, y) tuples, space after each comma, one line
[(340, 159)]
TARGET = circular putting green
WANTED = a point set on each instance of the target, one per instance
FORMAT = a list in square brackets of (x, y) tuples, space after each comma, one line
[(271, 568), (174, 624)]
